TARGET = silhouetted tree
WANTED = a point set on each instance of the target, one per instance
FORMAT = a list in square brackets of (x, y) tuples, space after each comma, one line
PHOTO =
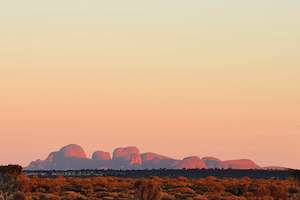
[(19, 196), (8, 183), (297, 174), (13, 170)]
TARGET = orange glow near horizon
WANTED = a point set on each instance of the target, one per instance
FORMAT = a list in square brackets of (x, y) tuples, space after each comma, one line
[(180, 80)]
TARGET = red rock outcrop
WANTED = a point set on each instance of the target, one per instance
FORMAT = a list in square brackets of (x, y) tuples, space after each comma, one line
[(101, 155), (156, 161), (126, 158), (211, 162), (238, 164), (125, 153), (135, 159), (192, 162), (71, 150), (69, 157), (74, 157), (53, 157), (38, 164), (153, 157)]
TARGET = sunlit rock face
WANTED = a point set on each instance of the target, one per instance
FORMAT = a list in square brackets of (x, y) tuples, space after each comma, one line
[(135, 159), (238, 164), (38, 164), (101, 155), (125, 153), (126, 158), (192, 162), (71, 150), (211, 162)]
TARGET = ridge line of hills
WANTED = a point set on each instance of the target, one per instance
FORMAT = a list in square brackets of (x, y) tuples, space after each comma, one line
[(73, 156)]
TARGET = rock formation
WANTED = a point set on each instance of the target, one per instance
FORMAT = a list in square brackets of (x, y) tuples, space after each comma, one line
[(152, 157), (125, 157), (211, 162), (69, 157), (125, 153), (135, 159), (238, 164), (71, 150), (192, 162), (73, 157), (101, 155)]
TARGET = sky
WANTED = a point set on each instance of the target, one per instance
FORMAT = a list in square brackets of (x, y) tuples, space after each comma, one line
[(178, 78)]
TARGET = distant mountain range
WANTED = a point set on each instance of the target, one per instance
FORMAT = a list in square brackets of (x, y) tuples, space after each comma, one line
[(73, 157)]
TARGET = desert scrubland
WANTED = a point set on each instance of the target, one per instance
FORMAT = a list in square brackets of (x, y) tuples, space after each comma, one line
[(16, 185)]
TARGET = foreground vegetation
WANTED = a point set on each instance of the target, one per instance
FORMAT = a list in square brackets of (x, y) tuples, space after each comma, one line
[(61, 188)]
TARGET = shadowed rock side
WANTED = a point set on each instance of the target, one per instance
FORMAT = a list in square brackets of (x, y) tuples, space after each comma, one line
[(101, 160), (211, 162), (101, 155), (69, 157), (74, 157), (152, 157), (156, 161)]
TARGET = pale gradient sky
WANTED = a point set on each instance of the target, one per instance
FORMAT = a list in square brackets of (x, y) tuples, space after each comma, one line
[(178, 78)]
